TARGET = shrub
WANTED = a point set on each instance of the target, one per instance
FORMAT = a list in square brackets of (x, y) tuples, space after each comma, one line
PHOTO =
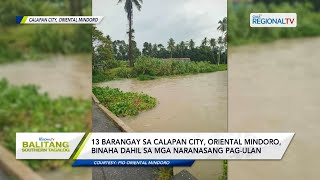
[(110, 63), (7, 53), (164, 67), (24, 109), (122, 72), (147, 68), (123, 63), (165, 173), (146, 65), (100, 76), (28, 42), (124, 103), (178, 67), (52, 39), (83, 44)]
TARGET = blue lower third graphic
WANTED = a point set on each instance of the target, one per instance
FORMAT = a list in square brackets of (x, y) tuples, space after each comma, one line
[(19, 19), (91, 162)]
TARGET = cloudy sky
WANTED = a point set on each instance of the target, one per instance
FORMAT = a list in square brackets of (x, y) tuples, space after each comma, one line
[(160, 20)]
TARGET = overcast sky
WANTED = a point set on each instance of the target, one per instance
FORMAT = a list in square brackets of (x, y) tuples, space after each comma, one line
[(160, 20)]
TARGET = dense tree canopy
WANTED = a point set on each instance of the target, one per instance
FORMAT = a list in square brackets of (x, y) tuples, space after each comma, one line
[(315, 3), (209, 49)]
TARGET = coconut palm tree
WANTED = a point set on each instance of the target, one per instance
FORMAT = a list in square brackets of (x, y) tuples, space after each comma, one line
[(223, 29), (223, 26), (171, 46), (221, 42), (128, 7), (204, 42), (160, 46), (191, 44), (221, 48), (213, 44), (181, 47)]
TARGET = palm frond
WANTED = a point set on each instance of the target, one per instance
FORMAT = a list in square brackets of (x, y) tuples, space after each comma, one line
[(137, 4), (128, 8), (120, 1)]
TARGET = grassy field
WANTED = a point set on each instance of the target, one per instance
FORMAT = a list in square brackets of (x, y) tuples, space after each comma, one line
[(24, 109)]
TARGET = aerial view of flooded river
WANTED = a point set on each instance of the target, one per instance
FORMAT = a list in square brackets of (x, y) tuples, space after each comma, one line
[(193, 103), (275, 88)]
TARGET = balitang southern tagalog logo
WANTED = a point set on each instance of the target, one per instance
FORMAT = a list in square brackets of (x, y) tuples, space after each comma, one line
[(45, 144)]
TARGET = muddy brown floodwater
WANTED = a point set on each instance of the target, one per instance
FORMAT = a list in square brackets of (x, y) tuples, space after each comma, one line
[(58, 76), (193, 103), (275, 88)]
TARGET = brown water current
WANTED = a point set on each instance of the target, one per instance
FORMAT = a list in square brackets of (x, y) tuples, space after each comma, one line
[(275, 88), (193, 103), (57, 75)]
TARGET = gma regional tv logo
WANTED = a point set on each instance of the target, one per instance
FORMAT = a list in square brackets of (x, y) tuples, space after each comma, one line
[(45, 144), (273, 20)]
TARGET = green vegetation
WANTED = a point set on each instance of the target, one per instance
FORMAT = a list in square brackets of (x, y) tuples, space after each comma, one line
[(209, 49), (33, 42), (147, 68), (24, 109), (124, 103), (240, 32), (164, 173), (212, 50), (315, 3), (224, 175), (109, 57), (19, 42), (168, 67)]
